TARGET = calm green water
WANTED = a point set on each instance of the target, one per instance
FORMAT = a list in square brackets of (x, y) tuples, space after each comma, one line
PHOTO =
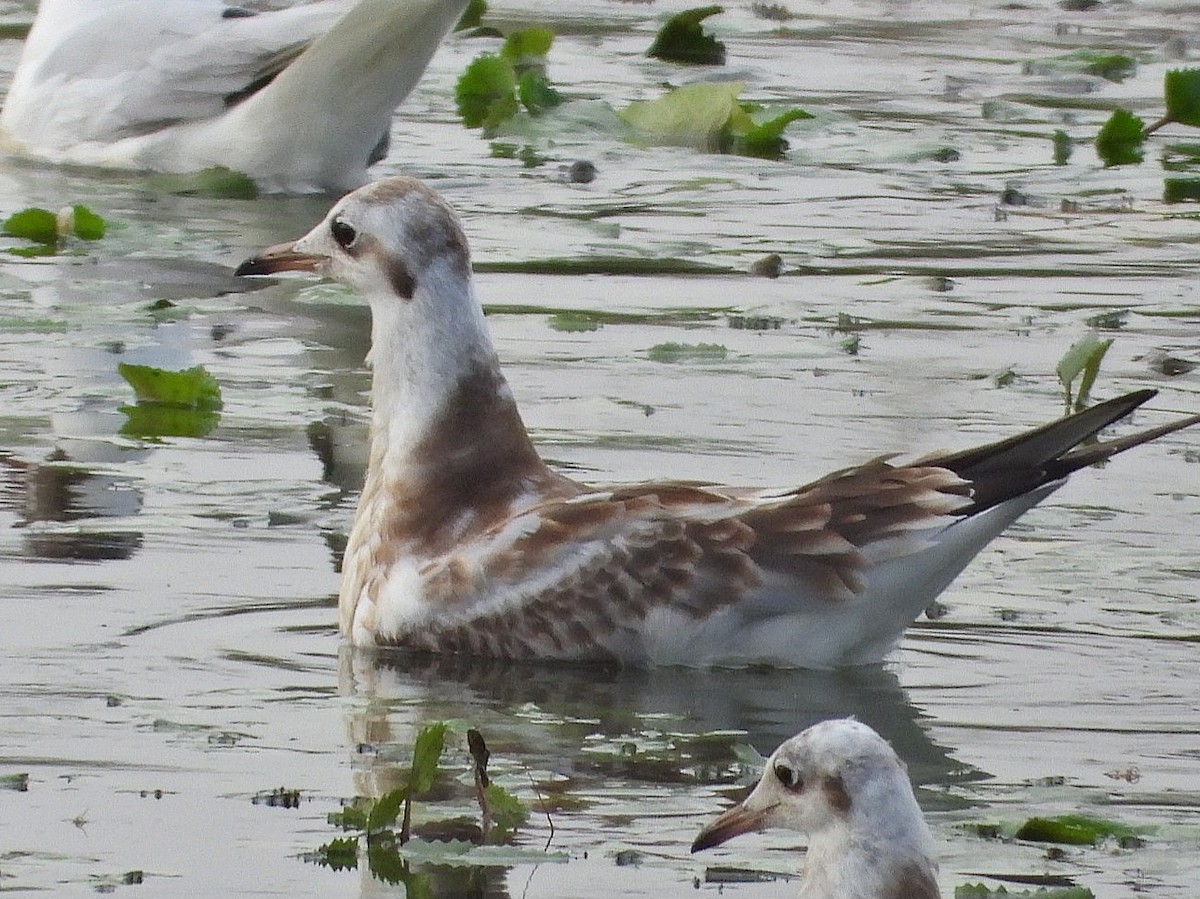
[(166, 608)]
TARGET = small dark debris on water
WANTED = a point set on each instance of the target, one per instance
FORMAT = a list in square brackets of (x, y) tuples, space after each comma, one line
[(220, 331), (987, 831), (935, 610), (1079, 5), (1009, 614), (130, 878), (151, 794), (772, 12), (628, 858), (725, 874), (941, 284), (946, 154), (1055, 853), (769, 266), (1172, 366), (1013, 197), (581, 171), (1112, 320), (17, 782), (112, 701), (280, 797)]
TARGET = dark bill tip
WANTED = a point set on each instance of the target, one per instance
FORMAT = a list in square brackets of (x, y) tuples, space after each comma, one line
[(736, 821), (280, 258)]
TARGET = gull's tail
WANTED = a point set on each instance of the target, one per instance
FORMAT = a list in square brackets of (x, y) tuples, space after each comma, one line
[(324, 115)]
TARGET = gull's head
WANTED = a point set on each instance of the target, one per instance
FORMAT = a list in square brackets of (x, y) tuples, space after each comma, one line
[(391, 240), (836, 774)]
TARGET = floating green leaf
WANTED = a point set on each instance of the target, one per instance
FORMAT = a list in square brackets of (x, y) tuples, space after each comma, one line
[(685, 352), (192, 388), (87, 225), (574, 322), (1181, 190), (1083, 358), (486, 93), (695, 115), (980, 891), (683, 39), (528, 47), (1109, 66), (426, 752), (18, 782), (1181, 87), (765, 140), (1120, 140), (508, 812), (38, 225), (215, 183), (1075, 830), (536, 94)]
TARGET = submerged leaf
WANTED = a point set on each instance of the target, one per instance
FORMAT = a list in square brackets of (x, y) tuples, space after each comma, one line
[(1181, 88), (1120, 140), (217, 182), (683, 39), (192, 388)]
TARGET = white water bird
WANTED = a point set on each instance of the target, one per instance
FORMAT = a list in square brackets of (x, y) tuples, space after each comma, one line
[(300, 99), (466, 541), (840, 783)]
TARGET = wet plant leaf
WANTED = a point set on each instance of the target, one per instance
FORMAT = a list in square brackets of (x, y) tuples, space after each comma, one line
[(695, 115), (573, 322), (765, 141), (527, 47), (386, 809), (485, 93), (981, 891), (193, 388), (508, 812), (1074, 830), (536, 94), (86, 225), (18, 782), (1181, 88), (352, 817), (38, 225), (1120, 140), (215, 183), (427, 750), (683, 39), (687, 352), (1115, 67), (1181, 190), (151, 421), (1082, 359)]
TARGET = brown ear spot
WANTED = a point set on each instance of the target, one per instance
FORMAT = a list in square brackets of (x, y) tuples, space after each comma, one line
[(835, 792), (402, 282)]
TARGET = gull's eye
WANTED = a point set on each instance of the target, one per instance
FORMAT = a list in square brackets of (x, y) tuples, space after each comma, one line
[(789, 777), (344, 233)]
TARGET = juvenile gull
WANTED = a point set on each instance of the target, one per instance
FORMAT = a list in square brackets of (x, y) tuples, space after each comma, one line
[(465, 541), (840, 783), (300, 99)]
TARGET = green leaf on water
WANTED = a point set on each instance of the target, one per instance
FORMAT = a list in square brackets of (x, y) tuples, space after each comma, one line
[(18, 782), (486, 93), (765, 141), (1181, 190), (574, 322), (193, 388), (426, 752), (386, 809), (508, 812), (1082, 359), (215, 183), (38, 225), (981, 891), (1114, 67), (695, 115), (687, 352), (1181, 87), (683, 39), (536, 93), (87, 225), (527, 47), (1120, 140), (1075, 830)]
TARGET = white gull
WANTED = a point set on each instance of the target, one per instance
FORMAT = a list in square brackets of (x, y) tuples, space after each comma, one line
[(840, 783), (465, 541), (300, 99)]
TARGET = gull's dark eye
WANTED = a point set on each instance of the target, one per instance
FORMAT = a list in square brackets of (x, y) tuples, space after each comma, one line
[(344, 233), (789, 777)]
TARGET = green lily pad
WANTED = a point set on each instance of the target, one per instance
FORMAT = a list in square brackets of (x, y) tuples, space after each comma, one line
[(1074, 830), (695, 115), (38, 225), (192, 388), (1181, 87)]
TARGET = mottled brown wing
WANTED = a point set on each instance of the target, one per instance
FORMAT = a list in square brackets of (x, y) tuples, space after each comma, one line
[(559, 580)]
